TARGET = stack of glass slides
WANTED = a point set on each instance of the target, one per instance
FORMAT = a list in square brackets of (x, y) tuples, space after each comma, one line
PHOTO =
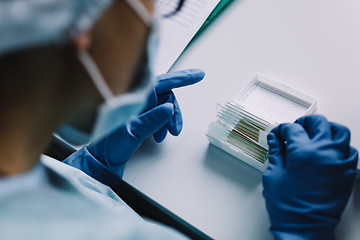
[(242, 126)]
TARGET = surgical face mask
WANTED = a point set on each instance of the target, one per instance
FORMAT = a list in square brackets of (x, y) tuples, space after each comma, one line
[(116, 110)]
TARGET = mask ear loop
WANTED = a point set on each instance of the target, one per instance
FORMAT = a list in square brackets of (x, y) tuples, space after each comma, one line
[(142, 11), (90, 65), (95, 75)]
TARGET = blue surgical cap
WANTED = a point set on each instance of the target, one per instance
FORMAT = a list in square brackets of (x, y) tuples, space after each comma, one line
[(30, 23)]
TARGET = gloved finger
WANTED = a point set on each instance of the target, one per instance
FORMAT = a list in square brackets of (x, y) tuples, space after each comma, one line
[(168, 81), (175, 124), (353, 158), (160, 135), (292, 134), (150, 122), (151, 102), (276, 150), (317, 127), (340, 133)]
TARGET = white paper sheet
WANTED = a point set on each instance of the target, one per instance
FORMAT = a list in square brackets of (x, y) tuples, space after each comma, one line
[(177, 31)]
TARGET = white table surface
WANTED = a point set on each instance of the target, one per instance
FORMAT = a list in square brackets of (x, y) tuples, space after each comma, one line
[(310, 45)]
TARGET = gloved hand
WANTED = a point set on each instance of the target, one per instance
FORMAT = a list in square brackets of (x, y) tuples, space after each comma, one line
[(105, 160), (309, 178), (163, 94)]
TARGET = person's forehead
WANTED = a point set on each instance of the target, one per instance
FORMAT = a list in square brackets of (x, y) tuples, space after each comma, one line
[(144, 8), (149, 4)]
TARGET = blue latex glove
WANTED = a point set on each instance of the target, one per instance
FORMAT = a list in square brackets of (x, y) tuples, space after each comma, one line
[(309, 178), (105, 160), (163, 94)]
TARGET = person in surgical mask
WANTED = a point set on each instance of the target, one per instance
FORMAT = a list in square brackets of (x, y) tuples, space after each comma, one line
[(81, 69)]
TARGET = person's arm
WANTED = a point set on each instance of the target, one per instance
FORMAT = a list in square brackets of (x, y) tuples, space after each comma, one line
[(309, 179), (105, 160)]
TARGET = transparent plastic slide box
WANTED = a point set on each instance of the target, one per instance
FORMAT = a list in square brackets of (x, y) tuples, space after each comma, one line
[(242, 125)]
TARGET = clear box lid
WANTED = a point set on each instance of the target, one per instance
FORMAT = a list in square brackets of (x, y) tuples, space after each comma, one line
[(274, 102)]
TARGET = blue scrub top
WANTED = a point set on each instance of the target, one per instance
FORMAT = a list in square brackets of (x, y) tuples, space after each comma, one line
[(57, 201)]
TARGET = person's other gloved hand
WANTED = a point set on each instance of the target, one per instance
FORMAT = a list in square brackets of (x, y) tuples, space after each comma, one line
[(105, 160), (163, 94), (309, 178)]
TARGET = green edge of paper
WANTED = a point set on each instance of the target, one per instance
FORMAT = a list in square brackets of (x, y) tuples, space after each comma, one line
[(217, 10), (214, 14)]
